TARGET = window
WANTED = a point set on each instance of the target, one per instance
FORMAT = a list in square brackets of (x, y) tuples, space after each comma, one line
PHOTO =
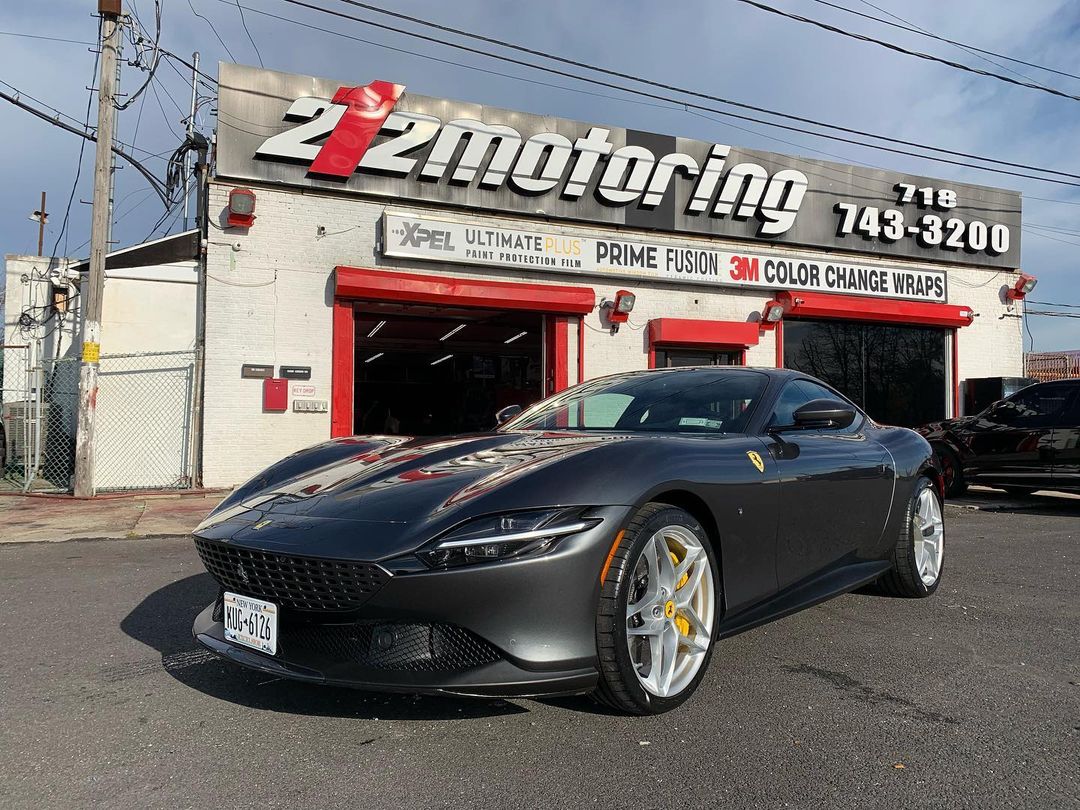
[(677, 358), (1039, 405), (894, 373), (796, 394), (690, 401)]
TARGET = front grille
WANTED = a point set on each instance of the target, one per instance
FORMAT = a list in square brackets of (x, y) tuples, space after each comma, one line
[(398, 646), (301, 583)]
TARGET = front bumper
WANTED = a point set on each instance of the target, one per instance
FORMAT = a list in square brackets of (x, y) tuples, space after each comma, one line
[(530, 627)]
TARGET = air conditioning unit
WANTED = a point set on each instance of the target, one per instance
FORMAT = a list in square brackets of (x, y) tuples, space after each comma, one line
[(22, 428)]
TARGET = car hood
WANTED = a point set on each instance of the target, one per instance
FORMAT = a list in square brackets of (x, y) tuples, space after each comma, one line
[(391, 486)]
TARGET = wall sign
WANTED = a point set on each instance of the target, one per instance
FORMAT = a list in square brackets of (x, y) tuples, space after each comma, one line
[(378, 140), (255, 371), (440, 240), (296, 372)]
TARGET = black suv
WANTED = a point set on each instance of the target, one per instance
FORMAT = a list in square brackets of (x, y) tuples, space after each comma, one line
[(1021, 444)]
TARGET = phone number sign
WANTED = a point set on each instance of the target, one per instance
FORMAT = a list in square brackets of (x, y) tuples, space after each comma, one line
[(431, 239)]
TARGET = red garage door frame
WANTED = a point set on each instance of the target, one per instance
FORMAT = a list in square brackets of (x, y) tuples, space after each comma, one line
[(352, 284), (701, 334), (953, 317)]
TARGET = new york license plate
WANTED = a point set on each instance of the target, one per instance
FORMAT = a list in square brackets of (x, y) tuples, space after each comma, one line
[(251, 622)]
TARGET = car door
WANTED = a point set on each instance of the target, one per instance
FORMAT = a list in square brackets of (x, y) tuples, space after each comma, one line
[(835, 488), (1012, 442), (1065, 473)]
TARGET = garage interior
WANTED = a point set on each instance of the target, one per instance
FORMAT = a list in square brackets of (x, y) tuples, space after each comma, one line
[(429, 371)]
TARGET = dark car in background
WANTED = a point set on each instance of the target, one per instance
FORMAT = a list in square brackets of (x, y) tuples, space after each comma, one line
[(1023, 443)]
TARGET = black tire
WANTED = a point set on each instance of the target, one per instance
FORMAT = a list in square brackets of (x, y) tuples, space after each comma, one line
[(952, 471), (1020, 492), (619, 686), (904, 580)]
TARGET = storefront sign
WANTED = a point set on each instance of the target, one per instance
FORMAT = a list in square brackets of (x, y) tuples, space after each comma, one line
[(376, 139), (440, 240)]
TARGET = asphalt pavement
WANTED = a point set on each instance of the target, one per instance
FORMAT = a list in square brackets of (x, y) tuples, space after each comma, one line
[(968, 699)]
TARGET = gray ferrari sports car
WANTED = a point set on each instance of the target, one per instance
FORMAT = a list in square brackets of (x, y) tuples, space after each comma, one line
[(602, 541)]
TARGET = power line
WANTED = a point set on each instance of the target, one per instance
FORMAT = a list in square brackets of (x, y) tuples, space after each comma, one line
[(1052, 304), (900, 49), (216, 34), (914, 29), (685, 104), (87, 136), (82, 150), (251, 39), (50, 39)]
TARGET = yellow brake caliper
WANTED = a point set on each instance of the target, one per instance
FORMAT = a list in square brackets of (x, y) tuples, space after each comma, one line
[(680, 621)]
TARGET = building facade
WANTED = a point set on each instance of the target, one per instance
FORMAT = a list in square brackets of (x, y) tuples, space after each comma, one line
[(415, 264)]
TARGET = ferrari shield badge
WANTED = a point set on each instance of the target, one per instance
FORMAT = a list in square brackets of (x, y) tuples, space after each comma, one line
[(756, 458)]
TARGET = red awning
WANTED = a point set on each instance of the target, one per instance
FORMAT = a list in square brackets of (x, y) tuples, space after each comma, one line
[(689, 332), (863, 308), (388, 285)]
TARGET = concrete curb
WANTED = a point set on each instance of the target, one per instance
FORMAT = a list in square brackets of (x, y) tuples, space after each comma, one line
[(97, 538)]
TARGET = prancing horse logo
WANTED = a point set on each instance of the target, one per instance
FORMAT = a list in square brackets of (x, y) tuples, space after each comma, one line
[(242, 573), (756, 458)]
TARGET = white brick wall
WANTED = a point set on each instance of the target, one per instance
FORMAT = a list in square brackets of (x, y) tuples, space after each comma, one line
[(270, 300)]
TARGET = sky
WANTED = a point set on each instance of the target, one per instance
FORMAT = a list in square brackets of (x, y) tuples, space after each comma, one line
[(722, 47)]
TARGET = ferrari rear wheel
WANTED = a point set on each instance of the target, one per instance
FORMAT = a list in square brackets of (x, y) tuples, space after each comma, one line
[(952, 472), (658, 612), (918, 558)]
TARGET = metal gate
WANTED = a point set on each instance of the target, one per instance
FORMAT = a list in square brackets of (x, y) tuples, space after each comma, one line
[(37, 414)]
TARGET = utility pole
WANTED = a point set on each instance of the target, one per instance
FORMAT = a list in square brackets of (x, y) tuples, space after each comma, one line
[(202, 146), (99, 248), (190, 132), (42, 216)]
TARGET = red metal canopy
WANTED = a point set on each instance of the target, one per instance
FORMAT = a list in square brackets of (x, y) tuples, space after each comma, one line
[(386, 285), (861, 308), (688, 332)]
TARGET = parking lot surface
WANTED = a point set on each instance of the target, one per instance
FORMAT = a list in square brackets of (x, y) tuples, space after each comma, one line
[(968, 699)]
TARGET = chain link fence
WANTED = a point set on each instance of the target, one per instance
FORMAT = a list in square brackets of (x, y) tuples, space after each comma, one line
[(143, 430)]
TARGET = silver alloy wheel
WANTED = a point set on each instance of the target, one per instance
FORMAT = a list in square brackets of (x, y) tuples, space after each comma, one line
[(928, 530), (670, 611)]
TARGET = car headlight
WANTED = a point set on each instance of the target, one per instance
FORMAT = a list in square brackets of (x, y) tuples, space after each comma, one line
[(502, 537)]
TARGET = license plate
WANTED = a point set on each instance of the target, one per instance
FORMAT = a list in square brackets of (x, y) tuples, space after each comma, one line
[(251, 622)]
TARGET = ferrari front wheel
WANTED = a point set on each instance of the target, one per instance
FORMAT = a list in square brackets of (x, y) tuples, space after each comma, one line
[(918, 557), (658, 612)]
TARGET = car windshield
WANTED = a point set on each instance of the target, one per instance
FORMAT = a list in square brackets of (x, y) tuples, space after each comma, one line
[(698, 401)]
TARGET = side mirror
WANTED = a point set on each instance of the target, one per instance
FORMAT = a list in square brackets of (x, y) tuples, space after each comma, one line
[(504, 415), (824, 413)]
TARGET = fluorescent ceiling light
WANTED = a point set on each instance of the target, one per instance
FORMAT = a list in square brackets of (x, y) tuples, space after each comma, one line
[(453, 332), (376, 328), (441, 359), (515, 337)]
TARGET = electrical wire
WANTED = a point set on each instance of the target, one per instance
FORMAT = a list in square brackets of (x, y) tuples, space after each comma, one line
[(1052, 304), (251, 39), (155, 59), (910, 27), (82, 150), (909, 52), (212, 28), (685, 104), (50, 39)]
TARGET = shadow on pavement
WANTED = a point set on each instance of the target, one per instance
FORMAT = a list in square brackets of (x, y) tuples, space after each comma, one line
[(163, 621)]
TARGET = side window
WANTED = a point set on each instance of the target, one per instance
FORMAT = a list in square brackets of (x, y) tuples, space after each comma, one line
[(796, 394), (791, 399), (1039, 405)]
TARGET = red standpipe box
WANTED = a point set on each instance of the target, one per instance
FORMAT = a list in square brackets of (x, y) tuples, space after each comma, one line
[(275, 394)]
